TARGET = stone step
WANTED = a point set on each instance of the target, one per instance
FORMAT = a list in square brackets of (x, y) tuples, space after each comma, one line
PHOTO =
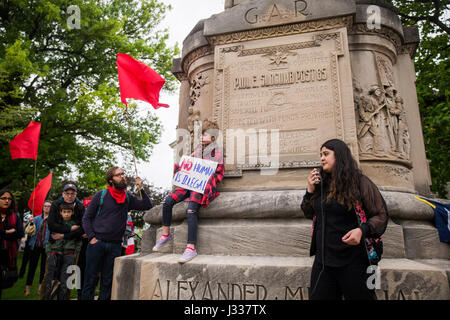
[(422, 241), (439, 263), (262, 237), (277, 204), (160, 276)]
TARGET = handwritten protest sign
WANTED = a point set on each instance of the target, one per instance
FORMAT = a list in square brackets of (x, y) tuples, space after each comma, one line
[(194, 173)]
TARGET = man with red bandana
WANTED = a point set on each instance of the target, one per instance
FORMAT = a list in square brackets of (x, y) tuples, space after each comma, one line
[(104, 223)]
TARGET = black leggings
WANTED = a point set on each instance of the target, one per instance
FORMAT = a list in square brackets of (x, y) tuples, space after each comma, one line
[(57, 272), (35, 254), (191, 213), (25, 258), (4, 261), (349, 281)]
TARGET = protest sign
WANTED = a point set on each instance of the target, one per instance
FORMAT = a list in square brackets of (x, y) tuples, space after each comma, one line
[(194, 173)]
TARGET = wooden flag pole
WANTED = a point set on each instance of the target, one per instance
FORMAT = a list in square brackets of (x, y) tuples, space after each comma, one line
[(132, 148), (34, 185)]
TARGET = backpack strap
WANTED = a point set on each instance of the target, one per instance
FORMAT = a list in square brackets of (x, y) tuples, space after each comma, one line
[(103, 196), (101, 201), (128, 200)]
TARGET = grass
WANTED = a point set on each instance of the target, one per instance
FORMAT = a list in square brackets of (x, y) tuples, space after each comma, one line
[(17, 290)]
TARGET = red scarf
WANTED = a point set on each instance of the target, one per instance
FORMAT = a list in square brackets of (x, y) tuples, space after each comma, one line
[(118, 195), (10, 245)]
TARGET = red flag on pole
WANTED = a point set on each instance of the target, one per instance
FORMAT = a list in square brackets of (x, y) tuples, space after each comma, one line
[(86, 202), (138, 81), (130, 243), (39, 194), (25, 144)]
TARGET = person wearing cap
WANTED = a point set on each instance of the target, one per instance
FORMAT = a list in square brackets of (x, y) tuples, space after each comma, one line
[(59, 230), (62, 254), (55, 223)]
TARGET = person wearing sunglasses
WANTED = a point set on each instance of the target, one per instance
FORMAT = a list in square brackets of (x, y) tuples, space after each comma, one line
[(11, 231)]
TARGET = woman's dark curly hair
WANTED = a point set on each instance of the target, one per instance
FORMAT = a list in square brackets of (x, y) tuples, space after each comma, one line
[(13, 205), (344, 180)]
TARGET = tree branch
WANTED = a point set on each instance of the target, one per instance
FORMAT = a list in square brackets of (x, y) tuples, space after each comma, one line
[(433, 19), (65, 51), (429, 56), (440, 24)]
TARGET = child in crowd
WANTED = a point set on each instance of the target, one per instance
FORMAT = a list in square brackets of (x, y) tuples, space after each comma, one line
[(61, 254)]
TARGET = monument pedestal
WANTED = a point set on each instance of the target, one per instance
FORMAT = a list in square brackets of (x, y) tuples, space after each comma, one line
[(255, 245), (280, 77), (159, 276)]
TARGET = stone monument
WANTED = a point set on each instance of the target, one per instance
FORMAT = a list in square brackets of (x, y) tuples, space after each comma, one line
[(295, 73)]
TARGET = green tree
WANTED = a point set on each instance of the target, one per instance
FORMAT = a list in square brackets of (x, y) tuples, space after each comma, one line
[(65, 77), (432, 66)]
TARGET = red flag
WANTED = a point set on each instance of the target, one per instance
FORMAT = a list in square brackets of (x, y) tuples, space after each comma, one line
[(131, 247), (86, 202), (25, 144), (130, 243), (138, 81), (39, 194)]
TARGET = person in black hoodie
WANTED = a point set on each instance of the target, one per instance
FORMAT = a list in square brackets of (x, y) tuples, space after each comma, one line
[(59, 230), (105, 223)]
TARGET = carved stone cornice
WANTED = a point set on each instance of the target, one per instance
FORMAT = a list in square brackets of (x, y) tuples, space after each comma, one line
[(274, 49), (195, 55), (371, 158), (181, 76), (408, 49), (386, 33), (282, 164), (284, 30)]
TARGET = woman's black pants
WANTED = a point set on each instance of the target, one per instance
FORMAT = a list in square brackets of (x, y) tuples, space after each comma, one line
[(349, 281)]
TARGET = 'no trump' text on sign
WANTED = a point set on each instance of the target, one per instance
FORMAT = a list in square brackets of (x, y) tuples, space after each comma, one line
[(194, 173)]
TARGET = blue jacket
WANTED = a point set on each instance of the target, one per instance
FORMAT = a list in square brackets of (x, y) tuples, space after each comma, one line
[(109, 224), (38, 223)]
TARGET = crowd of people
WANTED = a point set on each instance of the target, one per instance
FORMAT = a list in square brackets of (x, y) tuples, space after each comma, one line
[(348, 211), (68, 239)]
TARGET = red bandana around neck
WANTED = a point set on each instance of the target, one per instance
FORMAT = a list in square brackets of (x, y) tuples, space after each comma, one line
[(10, 245), (118, 195)]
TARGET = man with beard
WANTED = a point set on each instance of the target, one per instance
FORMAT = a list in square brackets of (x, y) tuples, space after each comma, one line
[(104, 223)]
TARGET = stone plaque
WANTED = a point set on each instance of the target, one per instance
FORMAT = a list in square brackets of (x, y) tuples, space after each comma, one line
[(292, 85)]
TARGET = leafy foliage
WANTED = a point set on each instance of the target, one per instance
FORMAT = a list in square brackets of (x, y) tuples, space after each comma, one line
[(432, 64), (66, 79)]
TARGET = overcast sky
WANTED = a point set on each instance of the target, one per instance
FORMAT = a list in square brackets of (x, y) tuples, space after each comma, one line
[(185, 14)]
